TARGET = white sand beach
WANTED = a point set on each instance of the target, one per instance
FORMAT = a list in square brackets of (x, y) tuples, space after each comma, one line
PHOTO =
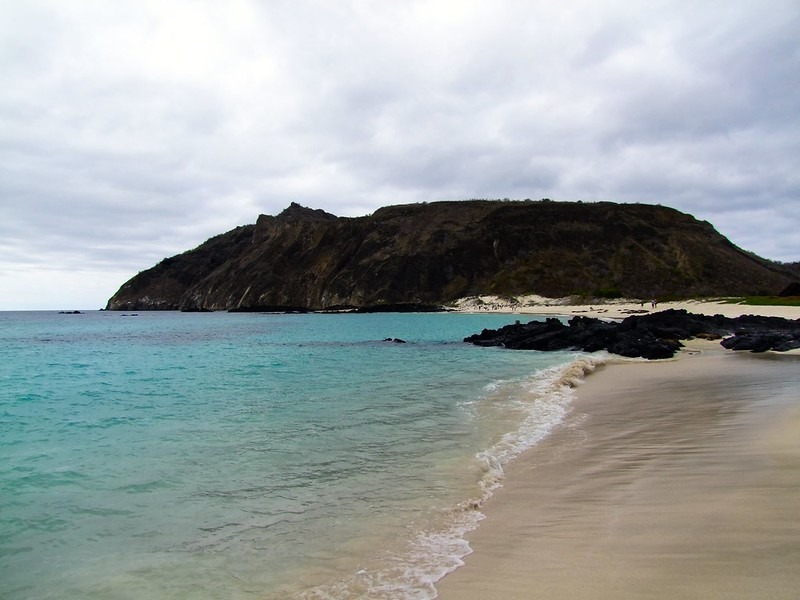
[(670, 479), (615, 309)]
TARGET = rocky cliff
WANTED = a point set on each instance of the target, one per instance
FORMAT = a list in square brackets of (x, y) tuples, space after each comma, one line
[(437, 252)]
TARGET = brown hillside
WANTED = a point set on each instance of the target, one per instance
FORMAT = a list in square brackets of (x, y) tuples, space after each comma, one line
[(434, 253)]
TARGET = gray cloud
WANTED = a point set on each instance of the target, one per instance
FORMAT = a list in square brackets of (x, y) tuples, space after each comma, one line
[(130, 131)]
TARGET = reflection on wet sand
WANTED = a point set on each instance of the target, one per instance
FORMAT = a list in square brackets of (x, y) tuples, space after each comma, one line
[(672, 480)]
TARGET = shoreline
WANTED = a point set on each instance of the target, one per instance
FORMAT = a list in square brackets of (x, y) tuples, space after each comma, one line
[(674, 478), (615, 309)]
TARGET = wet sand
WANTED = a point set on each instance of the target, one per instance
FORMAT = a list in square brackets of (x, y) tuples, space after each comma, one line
[(675, 479)]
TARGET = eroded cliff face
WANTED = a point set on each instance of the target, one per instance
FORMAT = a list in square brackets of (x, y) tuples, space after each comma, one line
[(434, 253)]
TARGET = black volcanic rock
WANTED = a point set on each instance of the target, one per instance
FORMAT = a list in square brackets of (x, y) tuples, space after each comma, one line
[(652, 336), (431, 254)]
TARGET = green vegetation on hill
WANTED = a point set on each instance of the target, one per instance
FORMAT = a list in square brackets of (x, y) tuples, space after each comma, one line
[(765, 300), (434, 253)]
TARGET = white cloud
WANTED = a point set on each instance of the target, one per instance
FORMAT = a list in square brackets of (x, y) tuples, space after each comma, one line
[(134, 130)]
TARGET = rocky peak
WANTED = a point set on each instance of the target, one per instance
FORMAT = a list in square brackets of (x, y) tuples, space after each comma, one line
[(297, 212), (435, 253)]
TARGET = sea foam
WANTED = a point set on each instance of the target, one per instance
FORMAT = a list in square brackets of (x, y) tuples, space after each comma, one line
[(543, 399)]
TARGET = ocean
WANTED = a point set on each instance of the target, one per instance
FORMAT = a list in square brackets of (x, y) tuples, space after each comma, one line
[(255, 456)]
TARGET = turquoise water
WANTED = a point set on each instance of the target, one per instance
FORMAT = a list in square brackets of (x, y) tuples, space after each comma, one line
[(174, 455)]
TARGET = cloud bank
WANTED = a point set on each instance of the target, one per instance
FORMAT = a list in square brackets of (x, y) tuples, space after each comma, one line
[(133, 130)]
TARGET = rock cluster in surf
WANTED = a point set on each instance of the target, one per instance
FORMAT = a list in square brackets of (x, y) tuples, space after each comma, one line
[(652, 336)]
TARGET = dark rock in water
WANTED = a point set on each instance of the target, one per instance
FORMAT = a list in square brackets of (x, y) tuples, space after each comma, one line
[(70, 312), (653, 336), (395, 340)]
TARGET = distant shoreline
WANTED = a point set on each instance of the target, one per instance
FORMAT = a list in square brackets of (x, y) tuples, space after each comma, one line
[(614, 309)]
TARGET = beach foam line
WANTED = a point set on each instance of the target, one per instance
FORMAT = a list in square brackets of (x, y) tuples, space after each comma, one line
[(680, 481), (546, 401), (549, 394), (435, 552)]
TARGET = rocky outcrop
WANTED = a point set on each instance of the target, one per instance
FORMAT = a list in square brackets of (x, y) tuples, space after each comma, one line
[(431, 254), (652, 336)]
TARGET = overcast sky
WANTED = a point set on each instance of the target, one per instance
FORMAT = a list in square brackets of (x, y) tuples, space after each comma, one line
[(134, 130)]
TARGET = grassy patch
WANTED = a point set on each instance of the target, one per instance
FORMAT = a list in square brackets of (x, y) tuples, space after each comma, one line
[(765, 300)]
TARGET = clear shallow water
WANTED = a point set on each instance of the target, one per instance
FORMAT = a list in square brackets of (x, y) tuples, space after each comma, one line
[(172, 455)]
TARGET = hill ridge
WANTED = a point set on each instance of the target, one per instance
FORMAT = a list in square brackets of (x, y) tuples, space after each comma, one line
[(437, 252)]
